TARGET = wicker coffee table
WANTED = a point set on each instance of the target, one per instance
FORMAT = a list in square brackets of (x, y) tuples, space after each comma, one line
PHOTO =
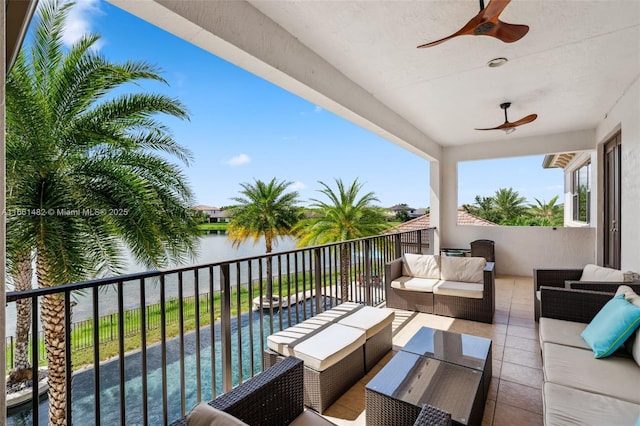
[(447, 370)]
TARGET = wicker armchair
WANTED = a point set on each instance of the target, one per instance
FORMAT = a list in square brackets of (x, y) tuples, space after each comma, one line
[(273, 397), (570, 278)]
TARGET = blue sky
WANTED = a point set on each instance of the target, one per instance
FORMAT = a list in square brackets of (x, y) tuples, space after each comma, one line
[(244, 128)]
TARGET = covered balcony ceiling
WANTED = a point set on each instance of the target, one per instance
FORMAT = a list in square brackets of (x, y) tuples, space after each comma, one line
[(359, 59)]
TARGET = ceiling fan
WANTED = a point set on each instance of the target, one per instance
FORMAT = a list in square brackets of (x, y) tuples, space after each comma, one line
[(487, 23), (508, 127)]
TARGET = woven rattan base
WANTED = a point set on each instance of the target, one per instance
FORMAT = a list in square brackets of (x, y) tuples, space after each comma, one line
[(323, 388)]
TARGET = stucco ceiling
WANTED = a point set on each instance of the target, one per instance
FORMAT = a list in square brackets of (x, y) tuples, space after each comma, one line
[(577, 59)]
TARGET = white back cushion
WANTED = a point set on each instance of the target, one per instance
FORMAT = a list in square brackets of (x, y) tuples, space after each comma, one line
[(463, 269), (600, 273), (421, 265)]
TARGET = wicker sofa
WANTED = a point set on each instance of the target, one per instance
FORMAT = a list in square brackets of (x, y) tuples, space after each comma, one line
[(591, 277), (579, 388), (460, 287)]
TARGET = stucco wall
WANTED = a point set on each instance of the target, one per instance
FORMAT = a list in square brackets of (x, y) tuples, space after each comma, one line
[(625, 115), (519, 249)]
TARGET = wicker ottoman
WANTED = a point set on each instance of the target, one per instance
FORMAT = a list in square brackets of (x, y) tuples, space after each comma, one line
[(333, 362), (376, 323)]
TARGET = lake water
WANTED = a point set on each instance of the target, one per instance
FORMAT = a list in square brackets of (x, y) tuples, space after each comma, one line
[(212, 248)]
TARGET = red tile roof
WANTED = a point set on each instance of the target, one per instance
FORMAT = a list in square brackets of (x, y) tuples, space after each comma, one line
[(423, 222)]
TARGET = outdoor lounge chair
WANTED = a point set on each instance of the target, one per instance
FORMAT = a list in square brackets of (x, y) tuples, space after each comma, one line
[(272, 398), (275, 398)]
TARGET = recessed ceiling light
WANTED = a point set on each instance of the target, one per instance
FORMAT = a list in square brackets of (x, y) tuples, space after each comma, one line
[(497, 62)]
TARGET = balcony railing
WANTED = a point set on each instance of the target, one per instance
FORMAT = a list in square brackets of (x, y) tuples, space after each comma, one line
[(153, 344)]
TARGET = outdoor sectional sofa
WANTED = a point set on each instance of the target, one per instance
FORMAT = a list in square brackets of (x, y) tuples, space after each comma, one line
[(579, 388), (460, 287), (591, 277)]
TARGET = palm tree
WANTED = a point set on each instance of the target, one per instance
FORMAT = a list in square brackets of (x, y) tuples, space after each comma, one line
[(509, 204), (550, 213), (484, 207), (266, 211), (88, 171), (346, 216)]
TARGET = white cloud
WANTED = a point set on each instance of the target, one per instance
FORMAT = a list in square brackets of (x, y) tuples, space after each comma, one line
[(79, 21), (317, 109), (297, 186), (239, 160)]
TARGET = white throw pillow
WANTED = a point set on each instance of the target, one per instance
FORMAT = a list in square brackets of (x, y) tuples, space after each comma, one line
[(205, 415), (421, 265), (599, 273), (629, 294), (463, 269)]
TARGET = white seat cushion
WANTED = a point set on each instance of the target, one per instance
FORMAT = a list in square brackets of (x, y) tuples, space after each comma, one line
[(462, 269), (599, 273), (615, 376), (459, 289), (369, 319), (562, 332), (415, 284), (279, 342), (329, 346), (565, 406), (421, 265)]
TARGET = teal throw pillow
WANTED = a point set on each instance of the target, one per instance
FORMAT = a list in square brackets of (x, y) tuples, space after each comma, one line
[(609, 329)]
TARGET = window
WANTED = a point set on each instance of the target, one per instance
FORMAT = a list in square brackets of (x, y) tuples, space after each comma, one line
[(581, 193)]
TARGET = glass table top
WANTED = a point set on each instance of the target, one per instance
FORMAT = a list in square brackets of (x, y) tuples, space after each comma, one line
[(419, 380), (461, 349)]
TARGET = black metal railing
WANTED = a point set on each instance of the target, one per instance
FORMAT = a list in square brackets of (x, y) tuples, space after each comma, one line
[(155, 343)]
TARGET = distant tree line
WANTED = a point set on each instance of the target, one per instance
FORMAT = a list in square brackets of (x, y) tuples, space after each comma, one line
[(507, 207)]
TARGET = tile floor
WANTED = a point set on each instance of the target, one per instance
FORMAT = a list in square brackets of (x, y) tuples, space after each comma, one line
[(515, 392)]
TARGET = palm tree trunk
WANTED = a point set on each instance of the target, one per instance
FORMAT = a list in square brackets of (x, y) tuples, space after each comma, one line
[(344, 273), (22, 275), (269, 247), (52, 317)]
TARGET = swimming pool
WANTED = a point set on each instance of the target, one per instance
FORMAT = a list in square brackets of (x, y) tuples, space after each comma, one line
[(83, 399)]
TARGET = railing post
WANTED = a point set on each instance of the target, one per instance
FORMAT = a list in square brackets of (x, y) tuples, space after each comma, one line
[(419, 238), (367, 272), (225, 323), (317, 261), (398, 244)]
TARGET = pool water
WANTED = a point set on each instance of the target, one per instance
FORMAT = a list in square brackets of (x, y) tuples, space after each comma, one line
[(83, 400)]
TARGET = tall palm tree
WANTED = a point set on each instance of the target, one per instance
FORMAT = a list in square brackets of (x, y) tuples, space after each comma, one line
[(484, 207), (88, 171), (266, 210), (549, 212), (509, 204), (345, 216)]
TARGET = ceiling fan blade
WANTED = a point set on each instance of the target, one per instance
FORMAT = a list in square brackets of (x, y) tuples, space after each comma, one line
[(528, 119), (508, 33), (494, 8), (468, 29), (494, 128)]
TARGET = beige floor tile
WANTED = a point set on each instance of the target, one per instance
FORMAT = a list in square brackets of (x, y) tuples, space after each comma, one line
[(506, 415), (497, 351), (520, 374), (528, 322), (493, 388), (522, 343), (526, 332), (496, 368), (487, 418), (519, 356), (520, 396)]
